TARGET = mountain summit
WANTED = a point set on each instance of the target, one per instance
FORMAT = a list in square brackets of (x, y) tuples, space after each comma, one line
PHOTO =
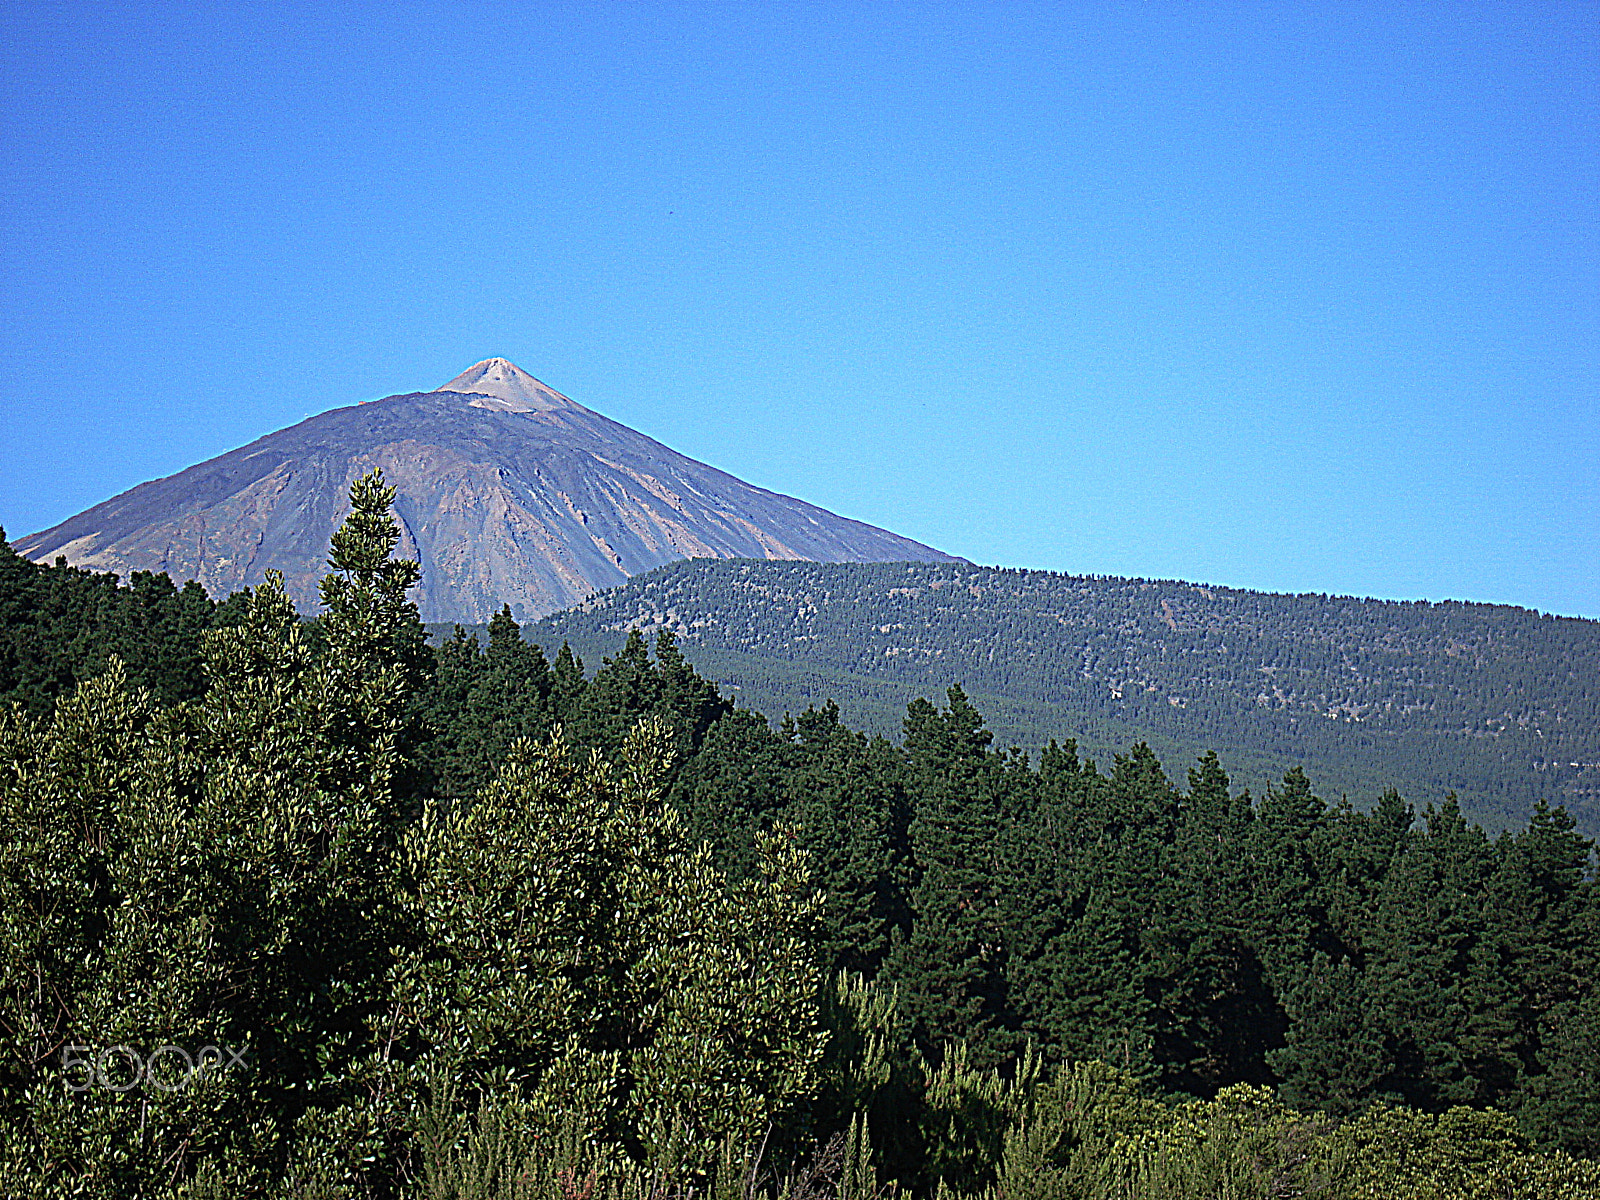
[(496, 383), (506, 492)]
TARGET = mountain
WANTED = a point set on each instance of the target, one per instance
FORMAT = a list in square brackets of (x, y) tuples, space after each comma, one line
[(1495, 703), (507, 492)]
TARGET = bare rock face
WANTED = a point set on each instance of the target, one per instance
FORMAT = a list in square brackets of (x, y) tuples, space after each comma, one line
[(506, 492)]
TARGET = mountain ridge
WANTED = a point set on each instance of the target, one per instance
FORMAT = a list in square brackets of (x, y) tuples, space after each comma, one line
[(1493, 702)]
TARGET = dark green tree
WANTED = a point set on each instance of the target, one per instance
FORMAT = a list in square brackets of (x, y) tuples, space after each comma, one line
[(849, 797), (734, 789), (1545, 921), (1212, 1005), (1434, 981), (951, 968)]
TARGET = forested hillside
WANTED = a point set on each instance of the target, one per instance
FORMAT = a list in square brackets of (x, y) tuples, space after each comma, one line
[(60, 626), (347, 917), (1497, 704)]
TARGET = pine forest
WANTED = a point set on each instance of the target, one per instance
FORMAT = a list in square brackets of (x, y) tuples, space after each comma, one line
[(315, 907)]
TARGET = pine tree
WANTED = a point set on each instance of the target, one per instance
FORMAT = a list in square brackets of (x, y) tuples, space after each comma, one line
[(1546, 924), (951, 968), (1285, 852), (733, 790), (1212, 1006), (1432, 976), (481, 703), (622, 691), (1333, 1056), (452, 753), (567, 685), (1053, 974), (849, 797), (689, 702)]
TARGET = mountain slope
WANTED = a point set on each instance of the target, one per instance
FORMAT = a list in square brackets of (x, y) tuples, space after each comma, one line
[(507, 492), (1496, 703)]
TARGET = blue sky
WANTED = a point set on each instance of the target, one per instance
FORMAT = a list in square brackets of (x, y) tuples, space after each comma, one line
[(1288, 297)]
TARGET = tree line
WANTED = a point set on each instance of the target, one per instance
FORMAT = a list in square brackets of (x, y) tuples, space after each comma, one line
[(338, 914)]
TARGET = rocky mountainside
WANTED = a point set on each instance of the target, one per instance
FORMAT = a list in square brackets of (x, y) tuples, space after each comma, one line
[(507, 492)]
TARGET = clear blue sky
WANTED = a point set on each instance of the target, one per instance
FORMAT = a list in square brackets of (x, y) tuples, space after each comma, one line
[(1296, 297)]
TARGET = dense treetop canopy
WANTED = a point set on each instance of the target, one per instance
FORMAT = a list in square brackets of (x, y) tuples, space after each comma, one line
[(310, 908)]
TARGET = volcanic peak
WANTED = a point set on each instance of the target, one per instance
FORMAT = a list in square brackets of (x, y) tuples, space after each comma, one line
[(537, 503), (501, 385)]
